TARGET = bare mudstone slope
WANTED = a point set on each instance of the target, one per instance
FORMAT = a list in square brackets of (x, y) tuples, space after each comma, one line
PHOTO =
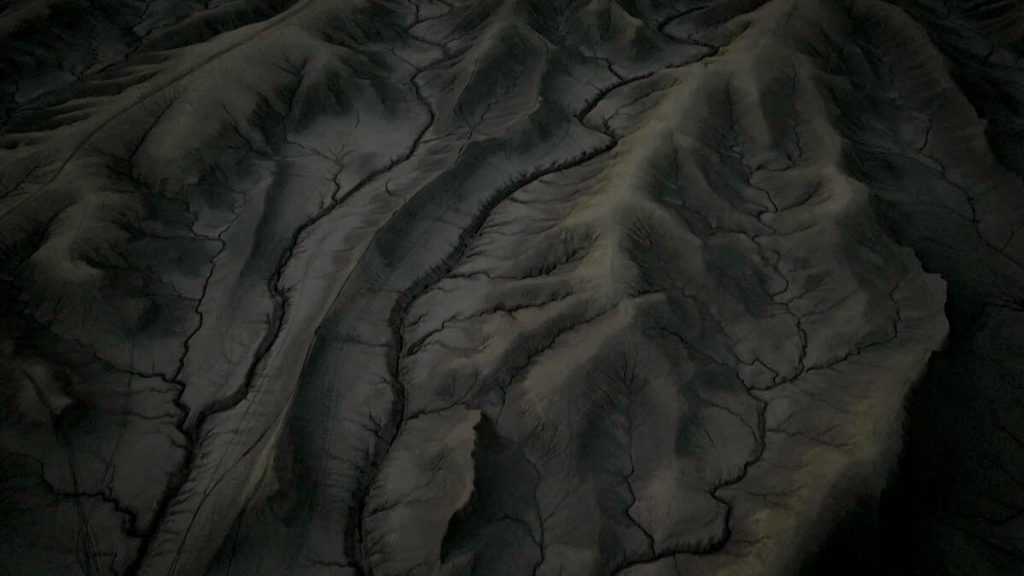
[(511, 287)]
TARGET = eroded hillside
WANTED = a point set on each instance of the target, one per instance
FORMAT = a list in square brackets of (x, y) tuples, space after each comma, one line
[(510, 286)]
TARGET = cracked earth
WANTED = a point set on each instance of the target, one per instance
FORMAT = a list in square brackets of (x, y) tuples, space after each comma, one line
[(389, 287)]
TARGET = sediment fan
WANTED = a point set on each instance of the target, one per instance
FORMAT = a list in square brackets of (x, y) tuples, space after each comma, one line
[(507, 286)]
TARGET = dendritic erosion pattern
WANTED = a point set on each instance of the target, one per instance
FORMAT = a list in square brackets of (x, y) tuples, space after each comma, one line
[(497, 286)]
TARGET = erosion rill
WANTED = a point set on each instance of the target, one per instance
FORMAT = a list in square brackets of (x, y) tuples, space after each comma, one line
[(379, 287)]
